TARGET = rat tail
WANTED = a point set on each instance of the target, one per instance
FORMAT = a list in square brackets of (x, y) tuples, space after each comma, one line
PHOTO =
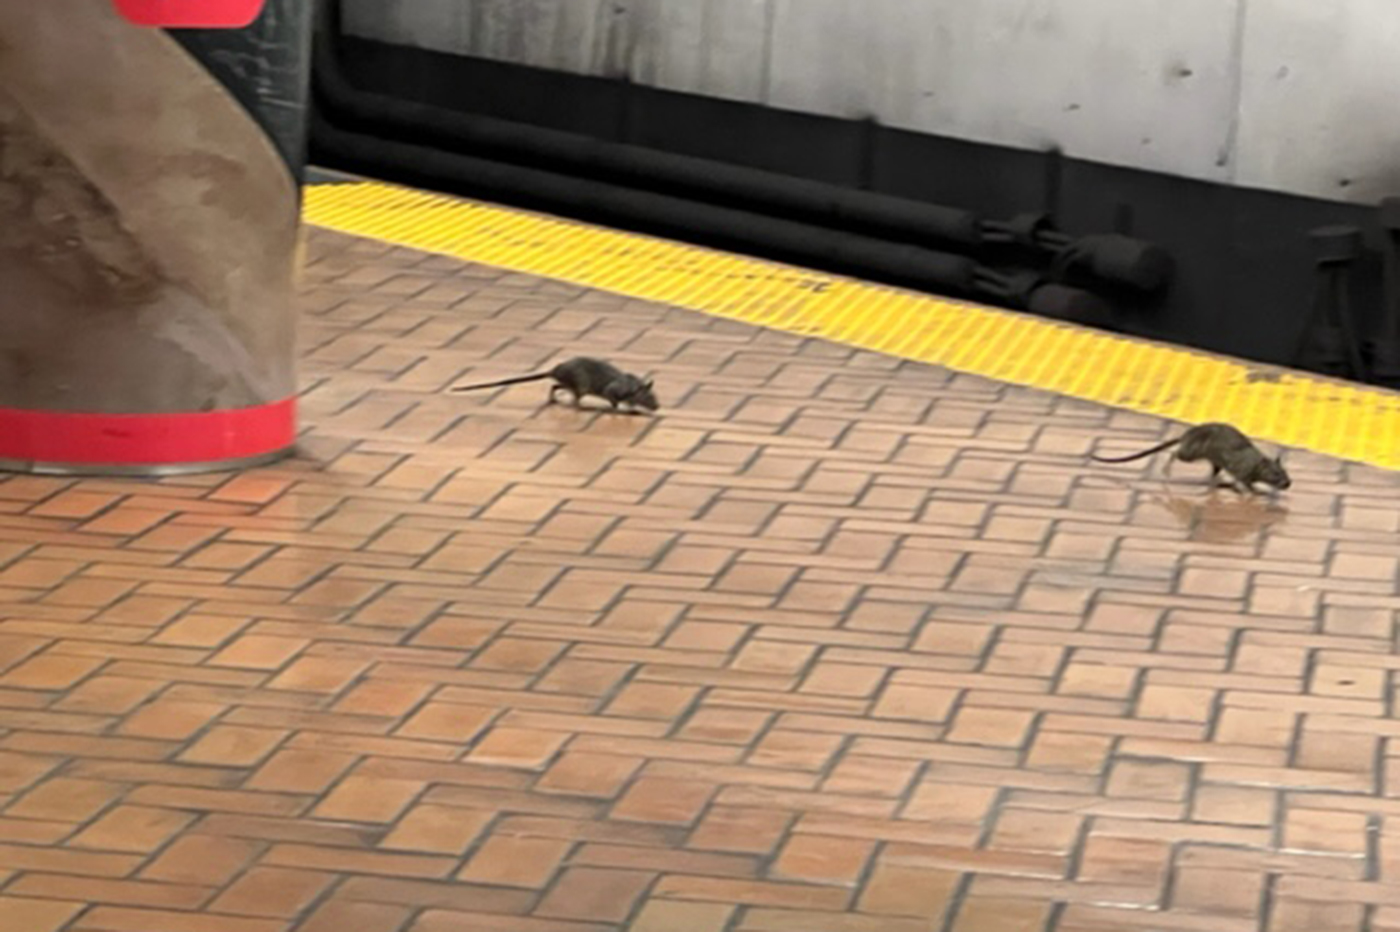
[(1137, 456), (515, 381)]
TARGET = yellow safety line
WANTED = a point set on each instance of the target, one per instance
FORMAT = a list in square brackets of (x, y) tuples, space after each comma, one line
[(1290, 408)]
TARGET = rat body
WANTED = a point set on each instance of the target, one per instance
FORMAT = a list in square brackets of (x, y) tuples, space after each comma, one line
[(582, 377), (1227, 450)]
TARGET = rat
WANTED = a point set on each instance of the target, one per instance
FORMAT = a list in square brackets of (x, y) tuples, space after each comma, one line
[(1227, 450), (582, 377)]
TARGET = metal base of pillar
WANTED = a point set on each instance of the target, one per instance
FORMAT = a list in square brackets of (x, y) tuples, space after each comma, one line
[(143, 470)]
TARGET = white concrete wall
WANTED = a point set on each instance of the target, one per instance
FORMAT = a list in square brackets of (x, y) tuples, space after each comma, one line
[(1301, 96)]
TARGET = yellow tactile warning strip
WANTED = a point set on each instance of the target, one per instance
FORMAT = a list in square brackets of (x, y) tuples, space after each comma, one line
[(1294, 409)]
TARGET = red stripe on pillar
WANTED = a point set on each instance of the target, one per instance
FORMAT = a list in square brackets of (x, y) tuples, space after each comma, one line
[(191, 14), (146, 439)]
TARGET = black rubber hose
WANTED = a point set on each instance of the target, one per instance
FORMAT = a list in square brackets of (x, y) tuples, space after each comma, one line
[(631, 166), (722, 227)]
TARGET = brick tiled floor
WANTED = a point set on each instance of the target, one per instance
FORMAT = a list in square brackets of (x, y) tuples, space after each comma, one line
[(836, 644)]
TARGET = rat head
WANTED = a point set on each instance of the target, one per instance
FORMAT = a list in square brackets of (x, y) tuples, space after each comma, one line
[(640, 395), (1271, 472)]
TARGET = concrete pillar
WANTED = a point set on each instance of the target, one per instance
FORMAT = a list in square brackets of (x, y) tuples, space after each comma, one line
[(149, 233)]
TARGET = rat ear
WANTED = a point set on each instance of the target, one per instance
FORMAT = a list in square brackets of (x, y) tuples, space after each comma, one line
[(647, 384)]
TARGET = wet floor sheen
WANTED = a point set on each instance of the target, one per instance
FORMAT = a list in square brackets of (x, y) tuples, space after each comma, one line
[(837, 643)]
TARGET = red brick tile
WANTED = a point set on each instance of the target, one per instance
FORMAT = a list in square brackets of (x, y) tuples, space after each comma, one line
[(1290, 915), (822, 860), (214, 800), (991, 727), (301, 771), (1320, 750), (756, 578), (318, 675), (202, 860), (1256, 727), (138, 829), (672, 916), (1219, 892), (1176, 703), (671, 802), (841, 679), (200, 631), (509, 861), (125, 521), (706, 636), (33, 832), (168, 720), (1149, 780), (1070, 753), (916, 703), (359, 862), (108, 695), (273, 891), (518, 655), (441, 721), (259, 652), (600, 776), (38, 574), (1360, 566), (1323, 831), (1023, 830), (664, 860), (368, 799), (652, 700), (122, 919), (950, 802), (988, 914), (65, 800), (740, 831), (795, 750), (51, 671), (74, 504), (342, 916), (1235, 805), (1134, 862), (727, 726), (583, 677), (250, 488), (870, 776), (774, 657), (753, 893), (437, 829), (909, 891), (80, 863), (1216, 583), (594, 894), (21, 771), (173, 538), (1346, 682), (388, 698), (517, 747), (23, 914), (1111, 618), (892, 617), (233, 746), (445, 921), (89, 593), (113, 892)]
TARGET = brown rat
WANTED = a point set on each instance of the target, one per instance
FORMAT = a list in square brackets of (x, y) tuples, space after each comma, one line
[(582, 377), (1227, 450)]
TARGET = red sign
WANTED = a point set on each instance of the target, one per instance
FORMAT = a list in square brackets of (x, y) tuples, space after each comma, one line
[(191, 14)]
